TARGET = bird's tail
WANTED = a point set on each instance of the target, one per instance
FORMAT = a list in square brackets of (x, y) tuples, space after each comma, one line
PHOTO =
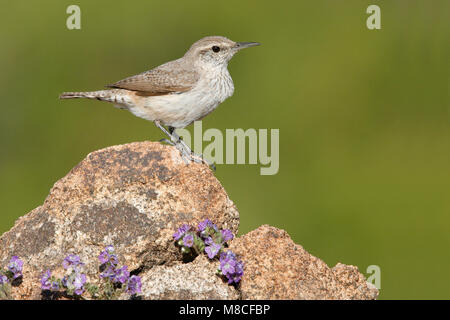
[(122, 99), (104, 95)]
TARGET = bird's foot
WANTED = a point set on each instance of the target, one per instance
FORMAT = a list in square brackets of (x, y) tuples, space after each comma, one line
[(188, 155), (185, 153), (198, 158), (167, 141)]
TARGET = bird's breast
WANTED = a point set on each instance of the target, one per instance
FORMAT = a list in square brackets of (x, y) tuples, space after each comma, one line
[(219, 85)]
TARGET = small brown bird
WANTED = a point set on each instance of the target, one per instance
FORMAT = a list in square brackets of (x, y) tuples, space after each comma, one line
[(178, 92)]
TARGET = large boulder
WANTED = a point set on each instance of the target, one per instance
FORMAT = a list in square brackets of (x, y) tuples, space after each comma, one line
[(134, 197)]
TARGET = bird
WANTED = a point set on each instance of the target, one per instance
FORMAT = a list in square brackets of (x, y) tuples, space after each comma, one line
[(179, 92)]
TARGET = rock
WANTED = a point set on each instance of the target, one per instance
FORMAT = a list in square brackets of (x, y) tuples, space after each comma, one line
[(132, 196), (277, 268), (188, 281)]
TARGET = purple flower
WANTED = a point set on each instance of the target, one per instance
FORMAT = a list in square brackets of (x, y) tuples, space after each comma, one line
[(238, 273), (80, 280), (15, 266), (122, 275), (64, 281), (109, 248), (103, 257), (228, 255), (213, 250), (207, 229), (134, 285), (46, 281), (108, 255), (188, 240), (181, 231), (227, 266), (227, 235), (109, 272), (206, 224), (203, 224), (231, 267), (54, 286), (3, 279), (72, 261), (209, 241), (75, 282)]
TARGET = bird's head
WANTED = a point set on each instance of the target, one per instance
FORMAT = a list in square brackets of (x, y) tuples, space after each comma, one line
[(216, 51)]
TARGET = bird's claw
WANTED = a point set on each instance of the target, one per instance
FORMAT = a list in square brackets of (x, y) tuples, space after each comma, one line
[(167, 141), (198, 158)]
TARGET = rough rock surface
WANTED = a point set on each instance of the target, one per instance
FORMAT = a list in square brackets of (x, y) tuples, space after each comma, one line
[(277, 268), (189, 281), (134, 197)]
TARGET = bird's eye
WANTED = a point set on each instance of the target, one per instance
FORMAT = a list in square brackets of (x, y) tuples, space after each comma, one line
[(215, 49)]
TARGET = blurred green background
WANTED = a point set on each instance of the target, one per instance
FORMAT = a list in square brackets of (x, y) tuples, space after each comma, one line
[(364, 116)]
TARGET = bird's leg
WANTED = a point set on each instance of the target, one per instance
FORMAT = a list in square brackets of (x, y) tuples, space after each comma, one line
[(169, 134), (179, 140), (186, 152), (194, 156)]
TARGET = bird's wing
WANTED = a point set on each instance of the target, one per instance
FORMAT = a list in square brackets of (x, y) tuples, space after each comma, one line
[(167, 78)]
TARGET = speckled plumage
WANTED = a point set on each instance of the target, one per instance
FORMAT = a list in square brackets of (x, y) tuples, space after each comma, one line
[(178, 92)]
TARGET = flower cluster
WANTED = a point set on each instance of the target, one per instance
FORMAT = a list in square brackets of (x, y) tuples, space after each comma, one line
[(15, 267), (208, 238), (10, 275), (13, 271), (231, 267), (74, 281), (48, 282), (116, 277)]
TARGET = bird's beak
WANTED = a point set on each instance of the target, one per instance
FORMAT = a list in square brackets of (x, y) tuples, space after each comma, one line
[(243, 45)]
